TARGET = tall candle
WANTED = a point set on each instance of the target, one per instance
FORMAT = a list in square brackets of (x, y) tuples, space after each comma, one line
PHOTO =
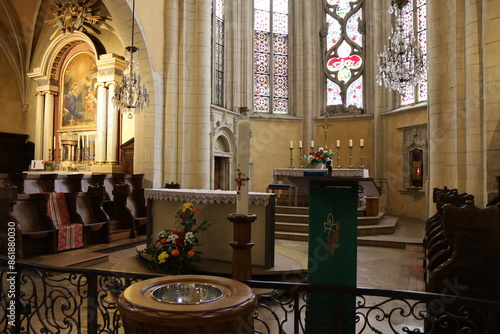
[(300, 143), (350, 142), (312, 143), (338, 143), (54, 147), (361, 143), (243, 161), (291, 143)]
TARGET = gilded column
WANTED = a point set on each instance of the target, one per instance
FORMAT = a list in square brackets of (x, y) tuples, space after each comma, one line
[(101, 134), (40, 103), (112, 128)]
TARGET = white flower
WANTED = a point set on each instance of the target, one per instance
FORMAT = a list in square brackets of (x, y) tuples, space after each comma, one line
[(189, 238), (162, 235), (172, 238)]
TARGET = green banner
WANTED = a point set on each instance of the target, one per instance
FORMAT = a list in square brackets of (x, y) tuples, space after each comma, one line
[(333, 230)]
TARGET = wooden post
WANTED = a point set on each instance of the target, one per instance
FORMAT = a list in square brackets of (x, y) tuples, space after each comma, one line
[(242, 244)]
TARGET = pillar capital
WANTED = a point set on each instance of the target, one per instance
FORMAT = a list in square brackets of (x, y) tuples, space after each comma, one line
[(110, 68)]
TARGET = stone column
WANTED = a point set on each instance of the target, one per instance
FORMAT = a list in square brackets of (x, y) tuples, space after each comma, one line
[(48, 125), (112, 128), (40, 103), (101, 134)]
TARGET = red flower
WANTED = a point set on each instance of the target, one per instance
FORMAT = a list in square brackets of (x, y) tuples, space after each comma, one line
[(182, 234), (163, 240), (175, 252), (179, 242), (182, 215)]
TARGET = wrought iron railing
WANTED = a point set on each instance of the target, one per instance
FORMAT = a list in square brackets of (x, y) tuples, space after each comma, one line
[(42, 299)]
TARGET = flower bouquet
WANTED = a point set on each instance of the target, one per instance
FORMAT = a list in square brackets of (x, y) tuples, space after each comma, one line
[(48, 165), (172, 253), (318, 158)]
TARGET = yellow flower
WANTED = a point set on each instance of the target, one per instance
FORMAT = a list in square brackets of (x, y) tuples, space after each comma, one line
[(187, 206), (162, 258)]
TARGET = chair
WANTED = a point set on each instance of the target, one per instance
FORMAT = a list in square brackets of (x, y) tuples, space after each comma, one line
[(36, 229), (292, 191), (88, 210), (69, 235)]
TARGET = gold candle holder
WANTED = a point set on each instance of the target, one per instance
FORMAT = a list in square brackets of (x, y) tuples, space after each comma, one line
[(350, 153), (291, 157), (338, 154), (362, 145)]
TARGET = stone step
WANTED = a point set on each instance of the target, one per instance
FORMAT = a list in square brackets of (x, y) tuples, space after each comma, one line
[(299, 210), (371, 220), (386, 226), (292, 236), (292, 227), (299, 231), (291, 218)]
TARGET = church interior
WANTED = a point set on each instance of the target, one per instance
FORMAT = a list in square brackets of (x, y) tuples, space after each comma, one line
[(113, 107)]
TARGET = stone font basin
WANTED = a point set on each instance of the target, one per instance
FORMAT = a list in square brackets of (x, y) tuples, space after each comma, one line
[(187, 293)]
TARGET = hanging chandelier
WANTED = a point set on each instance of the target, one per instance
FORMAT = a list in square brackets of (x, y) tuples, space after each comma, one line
[(131, 97), (402, 64)]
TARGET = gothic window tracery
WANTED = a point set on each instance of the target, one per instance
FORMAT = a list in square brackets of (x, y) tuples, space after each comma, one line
[(344, 56)]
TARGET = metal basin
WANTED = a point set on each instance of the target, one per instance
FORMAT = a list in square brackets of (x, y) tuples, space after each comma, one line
[(187, 293)]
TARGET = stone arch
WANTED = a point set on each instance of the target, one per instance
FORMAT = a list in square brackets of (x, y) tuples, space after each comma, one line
[(223, 148)]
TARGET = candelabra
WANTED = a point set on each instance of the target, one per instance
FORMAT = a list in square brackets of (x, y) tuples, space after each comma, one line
[(350, 153), (291, 157)]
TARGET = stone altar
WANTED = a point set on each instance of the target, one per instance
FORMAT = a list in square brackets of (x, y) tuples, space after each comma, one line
[(216, 205)]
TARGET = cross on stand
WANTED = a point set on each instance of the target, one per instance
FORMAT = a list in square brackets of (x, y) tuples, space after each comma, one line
[(242, 235), (239, 180)]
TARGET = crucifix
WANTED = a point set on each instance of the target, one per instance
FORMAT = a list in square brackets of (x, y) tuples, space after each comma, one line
[(240, 180), (325, 125)]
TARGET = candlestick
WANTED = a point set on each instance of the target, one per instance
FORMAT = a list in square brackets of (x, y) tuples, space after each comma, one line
[(362, 165), (291, 157), (350, 143), (338, 156), (300, 155), (350, 156), (243, 158)]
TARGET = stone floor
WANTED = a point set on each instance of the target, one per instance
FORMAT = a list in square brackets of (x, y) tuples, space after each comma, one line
[(378, 267)]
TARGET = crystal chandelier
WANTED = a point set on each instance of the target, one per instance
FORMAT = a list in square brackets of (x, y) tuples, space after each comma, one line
[(401, 65), (131, 97)]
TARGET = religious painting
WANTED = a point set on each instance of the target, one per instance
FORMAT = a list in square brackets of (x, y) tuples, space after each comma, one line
[(79, 93)]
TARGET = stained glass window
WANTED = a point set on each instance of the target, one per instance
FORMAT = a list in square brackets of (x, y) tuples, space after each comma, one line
[(271, 56), (416, 22), (344, 54), (218, 52)]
